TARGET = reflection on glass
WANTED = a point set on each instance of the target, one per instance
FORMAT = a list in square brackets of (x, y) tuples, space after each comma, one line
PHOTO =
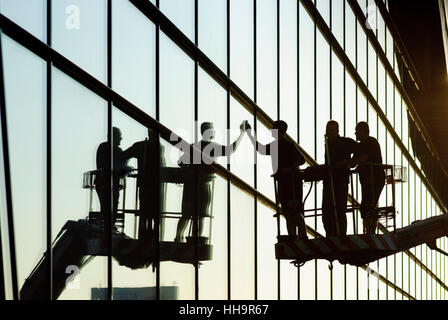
[(242, 226), (79, 33), (288, 66), (212, 107), (7, 276), (176, 89), (30, 15), (177, 279), (306, 93), (323, 94), (350, 34), (266, 262), (267, 56), (372, 61), (337, 98), (242, 45), (134, 264), (212, 24), (323, 280), (324, 9), (25, 87), (361, 52), (265, 183), (337, 20), (241, 161), (213, 273), (74, 148), (307, 290), (181, 13), (133, 58)]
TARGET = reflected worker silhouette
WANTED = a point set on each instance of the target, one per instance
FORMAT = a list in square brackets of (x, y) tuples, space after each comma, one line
[(338, 151), (371, 174), (196, 162), (286, 158), (150, 157), (102, 181)]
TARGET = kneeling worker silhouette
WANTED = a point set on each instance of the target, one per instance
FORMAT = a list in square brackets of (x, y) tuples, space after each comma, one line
[(286, 158)]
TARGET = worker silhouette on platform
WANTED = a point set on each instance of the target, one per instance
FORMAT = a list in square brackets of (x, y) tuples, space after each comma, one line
[(371, 175), (338, 151), (150, 158), (103, 181), (199, 175), (286, 158)]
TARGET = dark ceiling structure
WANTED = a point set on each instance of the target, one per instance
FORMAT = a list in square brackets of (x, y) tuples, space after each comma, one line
[(419, 25)]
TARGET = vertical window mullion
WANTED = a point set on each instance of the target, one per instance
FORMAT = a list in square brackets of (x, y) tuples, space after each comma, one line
[(278, 118), (110, 151), (298, 110), (331, 110), (7, 177), (255, 156), (228, 159), (196, 139), (157, 98), (49, 163)]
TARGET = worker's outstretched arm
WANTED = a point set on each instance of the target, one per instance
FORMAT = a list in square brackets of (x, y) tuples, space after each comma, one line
[(232, 147), (261, 148)]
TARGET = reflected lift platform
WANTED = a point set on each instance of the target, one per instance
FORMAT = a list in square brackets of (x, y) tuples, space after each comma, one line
[(78, 242), (127, 248), (361, 249)]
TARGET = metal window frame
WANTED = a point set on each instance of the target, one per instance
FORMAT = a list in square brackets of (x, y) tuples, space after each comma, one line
[(84, 78)]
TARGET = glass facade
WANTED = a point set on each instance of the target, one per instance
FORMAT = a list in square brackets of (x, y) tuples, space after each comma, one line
[(72, 73)]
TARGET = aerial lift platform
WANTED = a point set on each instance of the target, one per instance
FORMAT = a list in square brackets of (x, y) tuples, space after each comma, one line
[(361, 249), (78, 242)]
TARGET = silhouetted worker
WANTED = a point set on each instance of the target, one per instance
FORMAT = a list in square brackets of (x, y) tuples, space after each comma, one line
[(286, 158), (119, 170), (210, 150), (338, 151), (150, 157), (371, 176)]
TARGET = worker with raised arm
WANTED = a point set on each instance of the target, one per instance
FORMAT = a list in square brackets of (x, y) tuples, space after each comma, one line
[(286, 158), (193, 159)]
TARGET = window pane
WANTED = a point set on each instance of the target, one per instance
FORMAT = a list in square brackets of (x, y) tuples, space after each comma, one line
[(306, 94), (267, 56), (177, 278), (242, 245), (242, 45), (266, 262), (337, 17), (25, 114), (241, 161), (213, 274), (350, 34), (337, 99), (362, 52), (30, 15), (133, 58), (323, 94), (213, 31), (288, 65), (129, 277), (79, 33), (176, 76), (74, 150), (181, 13)]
